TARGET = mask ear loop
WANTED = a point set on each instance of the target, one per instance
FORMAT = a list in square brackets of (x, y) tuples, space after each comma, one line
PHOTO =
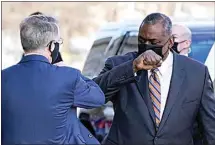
[(168, 48), (51, 46)]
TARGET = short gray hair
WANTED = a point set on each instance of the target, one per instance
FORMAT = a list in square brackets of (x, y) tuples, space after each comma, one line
[(37, 31), (155, 18)]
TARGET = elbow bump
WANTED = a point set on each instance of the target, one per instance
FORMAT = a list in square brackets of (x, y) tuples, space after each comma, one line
[(102, 102), (100, 99)]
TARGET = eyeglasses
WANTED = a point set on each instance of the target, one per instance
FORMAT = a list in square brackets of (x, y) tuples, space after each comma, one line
[(181, 41), (174, 37), (60, 41)]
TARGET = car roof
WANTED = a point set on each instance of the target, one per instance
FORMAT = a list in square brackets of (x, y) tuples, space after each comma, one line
[(120, 28), (195, 25)]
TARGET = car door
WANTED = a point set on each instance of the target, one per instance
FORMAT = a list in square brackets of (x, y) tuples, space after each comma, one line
[(93, 64), (202, 47)]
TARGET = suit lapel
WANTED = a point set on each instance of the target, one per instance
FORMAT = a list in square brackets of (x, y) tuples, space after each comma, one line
[(143, 88), (176, 82)]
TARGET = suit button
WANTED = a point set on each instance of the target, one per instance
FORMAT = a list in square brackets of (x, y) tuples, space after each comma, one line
[(90, 135), (155, 140)]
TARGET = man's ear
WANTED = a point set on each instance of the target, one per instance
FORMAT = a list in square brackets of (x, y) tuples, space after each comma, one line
[(47, 50), (188, 43)]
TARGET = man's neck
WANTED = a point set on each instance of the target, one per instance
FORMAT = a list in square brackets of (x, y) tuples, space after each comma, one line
[(32, 53), (35, 53), (166, 55)]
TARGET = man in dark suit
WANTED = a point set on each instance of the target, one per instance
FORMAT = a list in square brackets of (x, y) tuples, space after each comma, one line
[(157, 94), (39, 100)]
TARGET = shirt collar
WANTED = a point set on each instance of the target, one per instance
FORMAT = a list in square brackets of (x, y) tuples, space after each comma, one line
[(34, 57), (166, 64)]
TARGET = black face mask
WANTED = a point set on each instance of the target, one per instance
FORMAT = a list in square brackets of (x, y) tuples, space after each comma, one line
[(144, 47), (175, 47), (54, 53)]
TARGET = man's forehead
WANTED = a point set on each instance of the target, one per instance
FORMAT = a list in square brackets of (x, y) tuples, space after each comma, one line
[(177, 31), (151, 31), (178, 35)]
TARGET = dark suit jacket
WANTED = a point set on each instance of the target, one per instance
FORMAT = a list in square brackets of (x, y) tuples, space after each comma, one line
[(39, 102), (191, 96)]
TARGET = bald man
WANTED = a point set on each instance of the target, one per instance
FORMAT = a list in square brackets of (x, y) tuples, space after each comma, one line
[(182, 39)]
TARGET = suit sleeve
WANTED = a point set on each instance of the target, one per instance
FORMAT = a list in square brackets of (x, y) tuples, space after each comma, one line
[(207, 111), (111, 78), (87, 93)]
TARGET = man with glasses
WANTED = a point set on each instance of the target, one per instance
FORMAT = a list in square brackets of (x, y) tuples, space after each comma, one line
[(50, 19), (182, 39), (39, 100)]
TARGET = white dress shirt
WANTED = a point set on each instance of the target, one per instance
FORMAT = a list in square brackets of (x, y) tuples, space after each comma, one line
[(165, 74)]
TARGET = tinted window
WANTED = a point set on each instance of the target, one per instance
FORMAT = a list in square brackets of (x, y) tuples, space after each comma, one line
[(114, 47), (95, 57), (99, 53), (130, 43)]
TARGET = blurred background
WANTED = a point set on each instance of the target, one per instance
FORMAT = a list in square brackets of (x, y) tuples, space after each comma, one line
[(94, 31), (79, 22)]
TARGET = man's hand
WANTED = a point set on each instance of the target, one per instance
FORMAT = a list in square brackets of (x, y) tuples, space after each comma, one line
[(146, 61)]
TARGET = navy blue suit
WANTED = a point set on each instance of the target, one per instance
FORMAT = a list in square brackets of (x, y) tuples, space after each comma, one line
[(191, 96), (39, 102)]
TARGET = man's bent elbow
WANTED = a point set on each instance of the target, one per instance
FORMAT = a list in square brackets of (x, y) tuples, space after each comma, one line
[(99, 99)]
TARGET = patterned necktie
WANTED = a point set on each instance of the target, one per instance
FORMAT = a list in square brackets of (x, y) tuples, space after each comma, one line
[(155, 94)]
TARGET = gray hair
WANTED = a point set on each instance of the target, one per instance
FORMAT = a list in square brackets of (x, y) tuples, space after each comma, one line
[(50, 19), (37, 31), (155, 18)]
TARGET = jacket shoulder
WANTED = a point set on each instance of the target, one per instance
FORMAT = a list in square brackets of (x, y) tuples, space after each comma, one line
[(193, 68), (67, 69), (192, 63), (9, 71), (67, 73)]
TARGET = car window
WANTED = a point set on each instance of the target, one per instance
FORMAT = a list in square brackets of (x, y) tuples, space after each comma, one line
[(130, 43), (201, 45), (95, 56), (114, 46)]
